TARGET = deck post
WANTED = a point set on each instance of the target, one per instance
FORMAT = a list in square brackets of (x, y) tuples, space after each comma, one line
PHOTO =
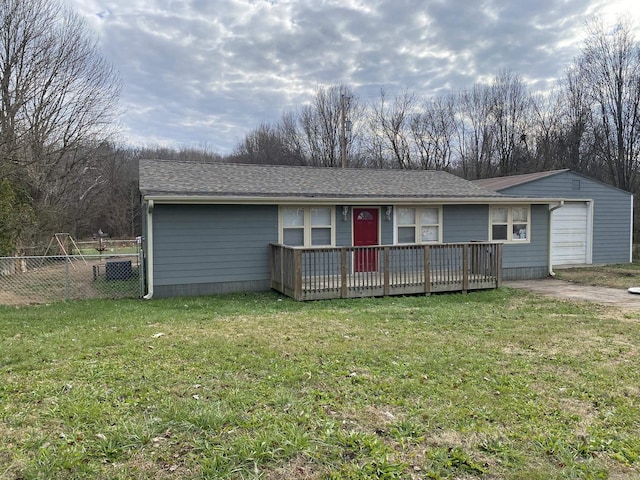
[(344, 288), (386, 288), (282, 263), (297, 274), (427, 269), (498, 263), (272, 268), (465, 268)]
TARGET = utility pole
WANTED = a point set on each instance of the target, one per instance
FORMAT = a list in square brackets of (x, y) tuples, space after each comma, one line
[(343, 131)]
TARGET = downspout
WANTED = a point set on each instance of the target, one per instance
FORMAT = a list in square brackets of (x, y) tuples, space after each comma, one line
[(149, 262), (551, 210), (631, 233)]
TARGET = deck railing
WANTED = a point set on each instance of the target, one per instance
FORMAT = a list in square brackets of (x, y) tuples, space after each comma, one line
[(348, 272)]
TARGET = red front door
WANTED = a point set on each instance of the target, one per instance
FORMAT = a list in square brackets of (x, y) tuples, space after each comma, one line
[(365, 234)]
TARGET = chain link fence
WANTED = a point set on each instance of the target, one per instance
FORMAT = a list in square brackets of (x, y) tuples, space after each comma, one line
[(44, 279)]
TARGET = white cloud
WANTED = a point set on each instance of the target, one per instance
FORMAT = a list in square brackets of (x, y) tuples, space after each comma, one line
[(208, 71)]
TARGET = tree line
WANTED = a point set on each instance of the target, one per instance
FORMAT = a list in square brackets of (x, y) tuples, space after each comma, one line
[(62, 171), (589, 122)]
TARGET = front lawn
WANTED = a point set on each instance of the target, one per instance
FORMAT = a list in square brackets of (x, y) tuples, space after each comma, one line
[(496, 384)]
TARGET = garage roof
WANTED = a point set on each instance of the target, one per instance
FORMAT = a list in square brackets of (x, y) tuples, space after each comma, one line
[(500, 183)]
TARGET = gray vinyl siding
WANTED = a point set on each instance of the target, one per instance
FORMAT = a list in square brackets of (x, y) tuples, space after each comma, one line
[(343, 228), (611, 211), (386, 227), (201, 249), (466, 223), (529, 260)]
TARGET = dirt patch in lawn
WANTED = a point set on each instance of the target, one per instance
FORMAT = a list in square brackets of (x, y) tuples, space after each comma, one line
[(620, 276), (605, 285)]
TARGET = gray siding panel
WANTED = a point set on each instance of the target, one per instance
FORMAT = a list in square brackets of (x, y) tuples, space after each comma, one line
[(386, 227), (212, 245), (343, 228), (465, 223), (196, 289), (611, 211), (534, 254)]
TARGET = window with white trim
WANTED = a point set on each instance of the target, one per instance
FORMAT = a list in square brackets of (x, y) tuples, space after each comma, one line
[(418, 225), (510, 224), (307, 226)]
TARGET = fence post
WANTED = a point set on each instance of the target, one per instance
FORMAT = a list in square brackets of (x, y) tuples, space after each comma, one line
[(66, 282), (141, 273)]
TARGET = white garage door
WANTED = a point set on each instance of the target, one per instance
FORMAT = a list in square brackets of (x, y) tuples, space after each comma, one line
[(571, 233)]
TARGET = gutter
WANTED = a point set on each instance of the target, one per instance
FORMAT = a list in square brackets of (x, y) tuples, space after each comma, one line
[(319, 200), (149, 262), (549, 248)]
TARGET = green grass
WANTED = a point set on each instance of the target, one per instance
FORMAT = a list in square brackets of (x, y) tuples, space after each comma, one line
[(496, 384), (119, 288)]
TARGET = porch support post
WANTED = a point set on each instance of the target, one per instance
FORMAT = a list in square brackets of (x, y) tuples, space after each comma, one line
[(427, 269), (344, 288)]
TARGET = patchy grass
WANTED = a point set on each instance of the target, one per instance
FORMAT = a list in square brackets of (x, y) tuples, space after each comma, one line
[(496, 384), (615, 276)]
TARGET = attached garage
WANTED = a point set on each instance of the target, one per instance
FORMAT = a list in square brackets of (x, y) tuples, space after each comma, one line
[(571, 234), (593, 226)]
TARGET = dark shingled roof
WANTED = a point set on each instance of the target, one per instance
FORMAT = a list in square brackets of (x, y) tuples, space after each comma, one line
[(187, 179), (500, 183)]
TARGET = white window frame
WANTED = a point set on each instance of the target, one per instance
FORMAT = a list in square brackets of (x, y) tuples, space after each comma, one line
[(307, 226), (509, 223), (417, 225)]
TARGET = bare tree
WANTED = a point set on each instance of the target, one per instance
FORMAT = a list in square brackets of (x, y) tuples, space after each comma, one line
[(433, 133), (390, 131), (545, 134), (510, 107), (58, 97), (319, 125), (267, 144), (475, 140), (609, 71), (577, 120)]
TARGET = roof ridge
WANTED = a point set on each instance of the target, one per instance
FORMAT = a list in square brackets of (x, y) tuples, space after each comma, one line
[(315, 167)]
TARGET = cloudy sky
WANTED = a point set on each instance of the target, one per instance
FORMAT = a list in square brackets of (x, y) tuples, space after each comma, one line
[(202, 73)]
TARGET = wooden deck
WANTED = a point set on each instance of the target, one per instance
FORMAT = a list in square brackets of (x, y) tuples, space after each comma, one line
[(350, 272)]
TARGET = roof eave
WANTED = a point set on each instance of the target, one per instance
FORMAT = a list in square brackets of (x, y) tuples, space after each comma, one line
[(238, 200)]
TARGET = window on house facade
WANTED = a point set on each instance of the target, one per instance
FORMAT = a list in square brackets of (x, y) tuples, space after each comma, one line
[(510, 223), (307, 226), (418, 224)]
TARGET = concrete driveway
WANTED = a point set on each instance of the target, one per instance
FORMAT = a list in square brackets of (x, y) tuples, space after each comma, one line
[(571, 291)]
